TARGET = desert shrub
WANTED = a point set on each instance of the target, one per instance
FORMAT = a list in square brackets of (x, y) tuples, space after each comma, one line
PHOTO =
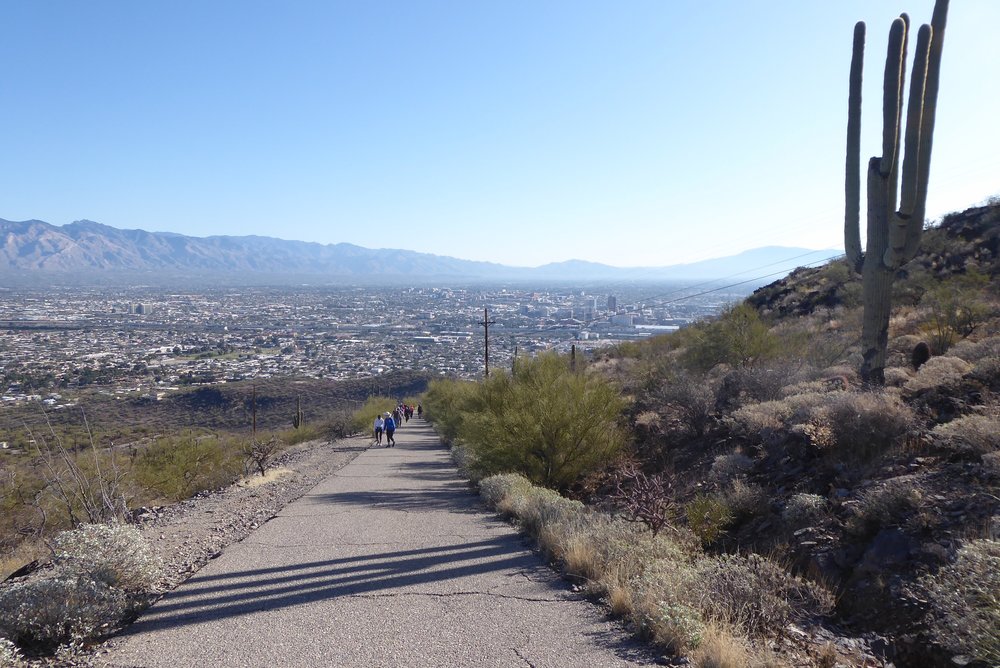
[(976, 351), (965, 596), (883, 506), (545, 421), (738, 337), (116, 555), (743, 385), (10, 655), (758, 422), (644, 498), (663, 608), (708, 517), (969, 434), (803, 510), (991, 464), (956, 308), (896, 376), (444, 405), (938, 371), (495, 488), (727, 467), (755, 594), (362, 419), (690, 399), (543, 507), (178, 467), (464, 462), (987, 371), (745, 500), (259, 452), (46, 612), (865, 424)]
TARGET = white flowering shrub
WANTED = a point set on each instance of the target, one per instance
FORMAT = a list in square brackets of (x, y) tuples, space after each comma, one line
[(803, 510), (116, 555), (52, 611), (496, 487), (971, 434), (10, 655)]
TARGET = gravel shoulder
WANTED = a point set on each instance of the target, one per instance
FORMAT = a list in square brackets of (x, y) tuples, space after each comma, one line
[(187, 535)]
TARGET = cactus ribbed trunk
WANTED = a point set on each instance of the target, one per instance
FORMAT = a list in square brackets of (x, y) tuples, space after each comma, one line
[(876, 281)]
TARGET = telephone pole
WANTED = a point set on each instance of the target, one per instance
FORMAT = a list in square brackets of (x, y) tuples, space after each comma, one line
[(486, 322)]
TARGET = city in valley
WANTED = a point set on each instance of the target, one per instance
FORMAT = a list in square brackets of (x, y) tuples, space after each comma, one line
[(146, 342)]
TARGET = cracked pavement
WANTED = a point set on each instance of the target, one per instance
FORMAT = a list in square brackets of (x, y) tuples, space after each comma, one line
[(391, 561)]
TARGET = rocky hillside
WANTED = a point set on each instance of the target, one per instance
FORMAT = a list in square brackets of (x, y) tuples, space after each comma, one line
[(891, 498)]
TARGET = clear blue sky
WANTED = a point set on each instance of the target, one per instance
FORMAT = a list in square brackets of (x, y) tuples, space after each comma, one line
[(633, 133)]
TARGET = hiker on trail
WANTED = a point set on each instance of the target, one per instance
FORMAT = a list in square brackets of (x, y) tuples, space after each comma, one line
[(397, 416), (390, 429), (379, 426), (420, 410)]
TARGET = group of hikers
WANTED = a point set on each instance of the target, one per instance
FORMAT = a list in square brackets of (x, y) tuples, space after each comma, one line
[(387, 423)]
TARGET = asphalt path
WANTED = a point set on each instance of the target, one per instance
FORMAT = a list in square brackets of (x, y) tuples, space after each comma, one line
[(391, 561)]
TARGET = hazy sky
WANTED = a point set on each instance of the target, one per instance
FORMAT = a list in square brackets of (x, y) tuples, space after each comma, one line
[(633, 133)]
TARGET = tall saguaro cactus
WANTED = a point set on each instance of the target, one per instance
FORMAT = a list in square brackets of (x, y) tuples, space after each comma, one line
[(893, 233)]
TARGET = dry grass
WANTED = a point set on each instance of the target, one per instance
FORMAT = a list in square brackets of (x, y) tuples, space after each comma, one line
[(663, 584), (720, 649)]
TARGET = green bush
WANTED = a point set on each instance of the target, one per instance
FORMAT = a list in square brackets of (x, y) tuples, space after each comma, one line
[(444, 405), (738, 337), (547, 422), (363, 418), (708, 517), (178, 467)]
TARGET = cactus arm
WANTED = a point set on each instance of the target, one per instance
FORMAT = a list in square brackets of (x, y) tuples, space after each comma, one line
[(905, 228), (890, 97), (852, 222), (914, 121), (938, 22)]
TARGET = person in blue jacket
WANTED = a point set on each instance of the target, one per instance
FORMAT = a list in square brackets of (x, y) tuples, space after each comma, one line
[(390, 429)]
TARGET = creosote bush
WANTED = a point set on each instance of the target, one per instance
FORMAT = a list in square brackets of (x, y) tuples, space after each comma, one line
[(708, 517), (886, 505), (546, 421)]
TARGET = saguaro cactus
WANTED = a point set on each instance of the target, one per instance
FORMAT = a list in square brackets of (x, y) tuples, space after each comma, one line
[(893, 233)]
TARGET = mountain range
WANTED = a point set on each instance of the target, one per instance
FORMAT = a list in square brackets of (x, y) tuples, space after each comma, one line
[(90, 250)]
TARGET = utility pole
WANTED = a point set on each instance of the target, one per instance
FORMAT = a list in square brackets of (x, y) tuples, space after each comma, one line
[(253, 409), (486, 339), (513, 361), (572, 358)]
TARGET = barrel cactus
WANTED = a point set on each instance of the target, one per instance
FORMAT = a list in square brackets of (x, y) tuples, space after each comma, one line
[(894, 228)]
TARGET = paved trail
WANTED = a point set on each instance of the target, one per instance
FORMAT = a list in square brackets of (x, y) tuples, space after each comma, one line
[(389, 562)]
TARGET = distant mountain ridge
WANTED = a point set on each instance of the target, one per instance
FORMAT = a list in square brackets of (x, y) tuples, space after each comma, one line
[(91, 248)]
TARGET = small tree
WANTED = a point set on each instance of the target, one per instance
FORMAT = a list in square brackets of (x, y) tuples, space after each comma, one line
[(544, 421), (259, 453)]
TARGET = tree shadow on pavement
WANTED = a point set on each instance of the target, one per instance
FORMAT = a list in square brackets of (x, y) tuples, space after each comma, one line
[(209, 598)]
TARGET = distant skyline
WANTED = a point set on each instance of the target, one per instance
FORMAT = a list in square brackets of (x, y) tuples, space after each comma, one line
[(644, 133)]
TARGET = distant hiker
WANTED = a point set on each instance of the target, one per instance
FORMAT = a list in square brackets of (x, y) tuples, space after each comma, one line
[(420, 410), (397, 416), (390, 429), (379, 426)]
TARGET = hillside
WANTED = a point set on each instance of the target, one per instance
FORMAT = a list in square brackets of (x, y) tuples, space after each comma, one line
[(889, 498)]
